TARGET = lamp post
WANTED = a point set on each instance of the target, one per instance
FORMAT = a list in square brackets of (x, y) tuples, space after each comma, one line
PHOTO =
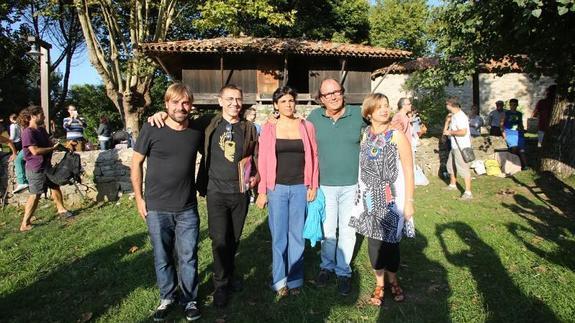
[(44, 55)]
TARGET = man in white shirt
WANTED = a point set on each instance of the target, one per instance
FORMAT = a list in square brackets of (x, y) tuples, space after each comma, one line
[(458, 131)]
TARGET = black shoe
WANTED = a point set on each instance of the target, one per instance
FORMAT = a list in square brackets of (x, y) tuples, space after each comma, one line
[(322, 278), (192, 312), (344, 285), (221, 297), (162, 311)]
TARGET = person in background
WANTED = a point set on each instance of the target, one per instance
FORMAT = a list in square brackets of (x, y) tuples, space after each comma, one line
[(383, 209), (74, 126), (475, 122), (4, 140), (250, 114), (401, 120), (494, 119), (288, 169), (457, 129), (512, 124), (104, 133), (542, 112), (19, 164), (38, 150)]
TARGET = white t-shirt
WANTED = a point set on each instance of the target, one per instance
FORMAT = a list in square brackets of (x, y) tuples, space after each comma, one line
[(15, 134), (460, 121)]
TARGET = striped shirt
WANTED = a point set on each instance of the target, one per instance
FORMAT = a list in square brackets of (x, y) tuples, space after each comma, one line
[(74, 128)]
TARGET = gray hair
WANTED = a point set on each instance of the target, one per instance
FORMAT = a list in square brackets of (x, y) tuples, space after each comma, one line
[(401, 102)]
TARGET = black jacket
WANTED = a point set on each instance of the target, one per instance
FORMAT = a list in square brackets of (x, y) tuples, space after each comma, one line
[(210, 124)]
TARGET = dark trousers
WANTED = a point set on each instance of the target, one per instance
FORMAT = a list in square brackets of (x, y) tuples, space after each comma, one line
[(226, 217)]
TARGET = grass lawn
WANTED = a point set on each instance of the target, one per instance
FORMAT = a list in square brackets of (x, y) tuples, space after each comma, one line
[(506, 256)]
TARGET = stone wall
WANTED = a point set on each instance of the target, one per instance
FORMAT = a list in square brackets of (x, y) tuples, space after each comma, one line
[(107, 173), (106, 177), (491, 88), (432, 154)]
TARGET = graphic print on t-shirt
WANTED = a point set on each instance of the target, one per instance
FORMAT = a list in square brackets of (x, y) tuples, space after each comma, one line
[(228, 147)]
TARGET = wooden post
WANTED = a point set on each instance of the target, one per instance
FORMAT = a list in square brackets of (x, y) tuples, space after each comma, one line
[(286, 73), (222, 69)]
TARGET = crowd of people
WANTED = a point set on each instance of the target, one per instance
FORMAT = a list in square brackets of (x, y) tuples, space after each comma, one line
[(361, 159), (366, 176)]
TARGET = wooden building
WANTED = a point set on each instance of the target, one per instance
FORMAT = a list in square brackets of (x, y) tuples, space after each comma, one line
[(260, 65)]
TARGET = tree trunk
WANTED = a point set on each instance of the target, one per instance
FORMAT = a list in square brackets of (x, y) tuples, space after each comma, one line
[(558, 152)]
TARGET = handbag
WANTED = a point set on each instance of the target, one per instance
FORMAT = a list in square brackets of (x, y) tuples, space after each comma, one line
[(467, 153)]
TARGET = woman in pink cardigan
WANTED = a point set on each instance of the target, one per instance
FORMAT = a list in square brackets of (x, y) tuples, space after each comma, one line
[(288, 169)]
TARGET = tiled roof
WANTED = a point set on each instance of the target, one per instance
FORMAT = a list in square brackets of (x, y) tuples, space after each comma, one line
[(507, 64), (272, 46)]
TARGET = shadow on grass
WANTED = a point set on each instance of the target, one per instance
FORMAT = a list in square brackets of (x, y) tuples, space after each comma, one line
[(552, 192), (502, 299), (258, 302), (425, 284), (91, 284), (545, 225)]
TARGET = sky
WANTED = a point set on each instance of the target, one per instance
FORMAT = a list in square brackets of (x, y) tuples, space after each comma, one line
[(83, 73)]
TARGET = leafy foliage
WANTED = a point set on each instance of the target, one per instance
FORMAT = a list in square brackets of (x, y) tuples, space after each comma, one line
[(337, 20), (15, 67), (253, 17), (400, 24)]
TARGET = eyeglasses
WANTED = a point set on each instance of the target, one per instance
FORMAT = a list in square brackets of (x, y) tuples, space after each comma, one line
[(333, 94), (228, 134), (230, 100)]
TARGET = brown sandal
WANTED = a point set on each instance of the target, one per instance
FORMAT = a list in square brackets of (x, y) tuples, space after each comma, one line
[(377, 296), (397, 292)]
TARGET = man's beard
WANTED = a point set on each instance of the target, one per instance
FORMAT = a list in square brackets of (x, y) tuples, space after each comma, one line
[(179, 118)]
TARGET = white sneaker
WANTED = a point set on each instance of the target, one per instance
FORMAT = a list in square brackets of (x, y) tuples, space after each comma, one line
[(466, 196), (450, 188), (19, 188)]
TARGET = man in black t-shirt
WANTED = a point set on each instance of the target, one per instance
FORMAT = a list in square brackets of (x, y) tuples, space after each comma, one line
[(169, 205), (227, 140)]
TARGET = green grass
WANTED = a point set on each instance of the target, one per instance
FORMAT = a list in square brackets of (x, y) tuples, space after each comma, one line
[(507, 256)]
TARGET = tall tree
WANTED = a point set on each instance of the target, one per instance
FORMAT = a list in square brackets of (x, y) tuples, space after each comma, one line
[(112, 31), (536, 33), (250, 17), (400, 24), (56, 21), (337, 20), (15, 67)]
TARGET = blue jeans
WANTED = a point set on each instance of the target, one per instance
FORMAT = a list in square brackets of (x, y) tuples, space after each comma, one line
[(180, 230), (287, 206), (337, 251)]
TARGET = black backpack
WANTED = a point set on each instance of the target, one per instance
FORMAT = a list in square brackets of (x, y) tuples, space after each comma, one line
[(66, 171)]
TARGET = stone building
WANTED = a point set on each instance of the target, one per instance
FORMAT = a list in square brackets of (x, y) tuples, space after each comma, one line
[(501, 80)]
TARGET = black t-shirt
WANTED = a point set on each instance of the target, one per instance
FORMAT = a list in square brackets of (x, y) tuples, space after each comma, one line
[(171, 155), (290, 161), (224, 157)]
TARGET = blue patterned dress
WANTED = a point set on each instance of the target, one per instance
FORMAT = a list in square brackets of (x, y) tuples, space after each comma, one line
[(380, 195)]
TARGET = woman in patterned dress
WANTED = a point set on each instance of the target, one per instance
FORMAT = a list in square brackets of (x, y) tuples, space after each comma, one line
[(383, 209)]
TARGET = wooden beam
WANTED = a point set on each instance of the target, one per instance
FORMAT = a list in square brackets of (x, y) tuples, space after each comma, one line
[(286, 72), (222, 69)]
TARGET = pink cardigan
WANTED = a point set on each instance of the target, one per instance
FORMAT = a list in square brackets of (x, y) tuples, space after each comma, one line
[(267, 161)]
